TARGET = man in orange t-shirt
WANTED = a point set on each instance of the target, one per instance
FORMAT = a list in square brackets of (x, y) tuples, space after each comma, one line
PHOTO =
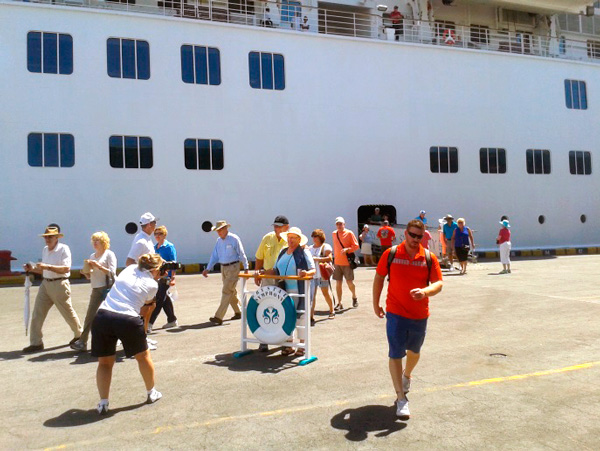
[(407, 305), (344, 242), (386, 235)]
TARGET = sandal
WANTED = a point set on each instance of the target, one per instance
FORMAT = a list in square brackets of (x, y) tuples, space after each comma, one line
[(286, 350), (299, 352), (331, 315)]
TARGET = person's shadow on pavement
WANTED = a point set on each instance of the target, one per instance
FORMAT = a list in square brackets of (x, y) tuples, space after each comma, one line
[(362, 420), (78, 417)]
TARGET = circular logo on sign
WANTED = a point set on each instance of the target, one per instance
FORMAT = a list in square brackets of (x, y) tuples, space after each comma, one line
[(271, 315)]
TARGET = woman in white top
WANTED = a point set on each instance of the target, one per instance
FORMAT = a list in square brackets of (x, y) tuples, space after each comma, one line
[(322, 253), (103, 269), (121, 317)]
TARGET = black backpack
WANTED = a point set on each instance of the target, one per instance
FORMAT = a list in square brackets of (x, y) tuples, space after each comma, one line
[(392, 254)]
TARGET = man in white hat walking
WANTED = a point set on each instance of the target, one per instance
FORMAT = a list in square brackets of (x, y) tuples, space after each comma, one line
[(142, 243), (55, 289), (228, 252)]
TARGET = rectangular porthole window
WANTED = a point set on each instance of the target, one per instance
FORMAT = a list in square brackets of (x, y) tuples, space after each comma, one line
[(576, 94), (266, 71), (130, 152), (49, 53), (128, 58), (51, 150), (205, 154), (538, 161), (492, 160), (200, 65), (580, 162), (443, 159)]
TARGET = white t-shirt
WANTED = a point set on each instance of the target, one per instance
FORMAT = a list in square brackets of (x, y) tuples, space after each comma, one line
[(130, 292), (316, 252), (59, 256), (142, 244), (109, 260)]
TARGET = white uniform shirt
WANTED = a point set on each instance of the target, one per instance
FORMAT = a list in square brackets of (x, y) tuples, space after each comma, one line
[(109, 260), (142, 244), (316, 252), (59, 256), (130, 292)]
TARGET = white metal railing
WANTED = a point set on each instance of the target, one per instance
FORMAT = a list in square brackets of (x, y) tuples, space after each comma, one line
[(354, 24)]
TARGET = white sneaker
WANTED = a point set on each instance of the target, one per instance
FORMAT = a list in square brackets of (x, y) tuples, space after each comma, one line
[(102, 408), (153, 396), (150, 341), (150, 326), (119, 343), (171, 324), (405, 383), (402, 408)]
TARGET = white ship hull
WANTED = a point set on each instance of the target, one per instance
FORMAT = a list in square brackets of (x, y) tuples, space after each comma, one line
[(353, 127)]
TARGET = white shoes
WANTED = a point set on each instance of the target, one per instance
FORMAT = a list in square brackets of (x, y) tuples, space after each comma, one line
[(402, 409), (150, 326), (405, 384), (171, 325), (153, 396), (151, 344), (102, 408)]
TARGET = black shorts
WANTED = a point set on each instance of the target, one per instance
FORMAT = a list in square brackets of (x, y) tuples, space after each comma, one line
[(108, 327), (462, 253)]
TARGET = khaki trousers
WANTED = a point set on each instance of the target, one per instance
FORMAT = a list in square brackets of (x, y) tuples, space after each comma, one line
[(98, 295), (230, 276), (56, 293)]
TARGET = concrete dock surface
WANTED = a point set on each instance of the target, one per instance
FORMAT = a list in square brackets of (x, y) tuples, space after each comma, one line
[(509, 362)]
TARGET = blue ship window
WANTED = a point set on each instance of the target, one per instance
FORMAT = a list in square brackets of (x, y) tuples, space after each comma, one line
[(443, 159), (580, 162), (203, 154), (266, 70), (289, 10), (200, 65), (575, 95), (49, 53), (128, 58), (492, 160), (51, 150), (538, 161), (130, 152)]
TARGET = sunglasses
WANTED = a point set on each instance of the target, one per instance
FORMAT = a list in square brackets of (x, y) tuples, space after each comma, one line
[(414, 235)]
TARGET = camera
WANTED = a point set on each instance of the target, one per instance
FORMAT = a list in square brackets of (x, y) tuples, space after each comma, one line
[(170, 266)]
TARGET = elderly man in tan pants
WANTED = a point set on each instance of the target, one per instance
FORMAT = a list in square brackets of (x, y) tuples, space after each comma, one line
[(228, 252), (55, 289)]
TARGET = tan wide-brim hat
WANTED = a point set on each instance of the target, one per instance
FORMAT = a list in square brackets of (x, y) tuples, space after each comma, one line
[(52, 231), (295, 231), (220, 225)]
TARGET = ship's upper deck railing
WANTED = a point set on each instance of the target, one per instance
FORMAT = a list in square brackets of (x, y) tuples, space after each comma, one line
[(304, 19)]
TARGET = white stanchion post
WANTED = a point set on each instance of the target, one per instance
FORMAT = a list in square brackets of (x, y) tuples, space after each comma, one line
[(244, 344)]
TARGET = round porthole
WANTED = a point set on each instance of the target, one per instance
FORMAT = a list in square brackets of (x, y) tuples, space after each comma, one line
[(541, 219), (583, 218), (131, 228), (207, 226)]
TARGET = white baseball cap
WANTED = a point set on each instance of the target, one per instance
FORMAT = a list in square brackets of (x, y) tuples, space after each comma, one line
[(340, 219), (147, 218)]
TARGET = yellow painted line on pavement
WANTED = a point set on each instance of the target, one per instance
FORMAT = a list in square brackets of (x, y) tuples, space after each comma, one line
[(291, 410)]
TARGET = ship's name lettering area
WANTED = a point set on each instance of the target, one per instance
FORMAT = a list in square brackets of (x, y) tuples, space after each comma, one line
[(270, 292)]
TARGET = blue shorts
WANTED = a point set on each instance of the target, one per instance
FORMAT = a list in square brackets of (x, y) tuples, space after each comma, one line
[(404, 334)]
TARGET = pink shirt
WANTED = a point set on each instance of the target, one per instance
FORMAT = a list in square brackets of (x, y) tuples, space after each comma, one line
[(504, 235)]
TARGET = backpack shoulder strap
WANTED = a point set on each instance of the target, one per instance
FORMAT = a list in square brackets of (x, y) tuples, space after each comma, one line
[(428, 260), (391, 256)]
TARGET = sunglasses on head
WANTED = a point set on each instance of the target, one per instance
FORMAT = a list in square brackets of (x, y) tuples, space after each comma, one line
[(416, 236)]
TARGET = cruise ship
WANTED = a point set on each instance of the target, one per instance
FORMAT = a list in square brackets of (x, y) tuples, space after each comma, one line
[(203, 110)]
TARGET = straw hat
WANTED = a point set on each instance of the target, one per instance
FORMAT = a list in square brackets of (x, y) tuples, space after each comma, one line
[(295, 231), (52, 231), (220, 225)]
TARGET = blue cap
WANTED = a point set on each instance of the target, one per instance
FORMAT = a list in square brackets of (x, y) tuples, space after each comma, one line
[(505, 223)]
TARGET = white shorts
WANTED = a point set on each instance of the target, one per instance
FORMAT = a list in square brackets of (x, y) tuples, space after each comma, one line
[(366, 249)]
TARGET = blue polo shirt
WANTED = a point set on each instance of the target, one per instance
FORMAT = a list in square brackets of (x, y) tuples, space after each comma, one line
[(423, 220), (449, 230), (167, 252)]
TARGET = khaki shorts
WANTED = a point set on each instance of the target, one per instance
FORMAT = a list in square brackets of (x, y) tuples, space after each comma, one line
[(340, 272)]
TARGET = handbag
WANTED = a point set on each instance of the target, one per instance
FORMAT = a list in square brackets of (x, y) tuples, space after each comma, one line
[(325, 268), (351, 257), (110, 280)]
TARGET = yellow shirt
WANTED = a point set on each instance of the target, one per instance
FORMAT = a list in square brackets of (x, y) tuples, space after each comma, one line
[(269, 248)]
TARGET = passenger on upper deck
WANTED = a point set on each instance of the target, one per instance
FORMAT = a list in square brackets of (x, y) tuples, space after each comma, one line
[(304, 26), (397, 23), (376, 217)]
